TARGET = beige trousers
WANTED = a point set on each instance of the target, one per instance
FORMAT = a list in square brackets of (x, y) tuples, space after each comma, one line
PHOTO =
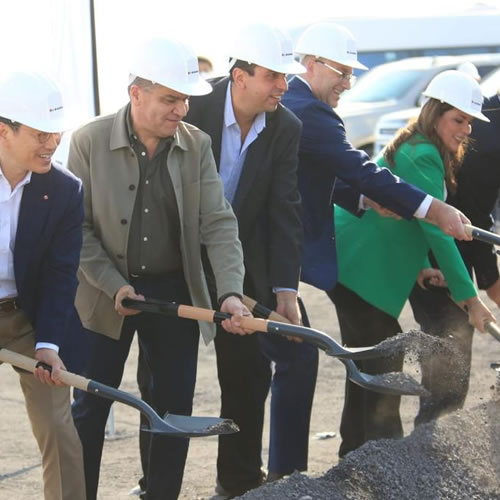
[(49, 411)]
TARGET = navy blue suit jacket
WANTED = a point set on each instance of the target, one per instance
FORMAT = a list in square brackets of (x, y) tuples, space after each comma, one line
[(331, 171), (46, 257)]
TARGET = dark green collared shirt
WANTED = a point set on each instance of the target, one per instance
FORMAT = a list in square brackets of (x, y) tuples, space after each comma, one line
[(153, 245)]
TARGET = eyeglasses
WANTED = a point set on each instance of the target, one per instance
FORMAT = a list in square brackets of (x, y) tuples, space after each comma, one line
[(346, 77), (44, 137)]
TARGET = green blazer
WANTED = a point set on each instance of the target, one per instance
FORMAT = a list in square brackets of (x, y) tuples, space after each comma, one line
[(380, 258)]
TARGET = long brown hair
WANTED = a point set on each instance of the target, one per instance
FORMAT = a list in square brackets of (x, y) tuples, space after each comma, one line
[(425, 125)]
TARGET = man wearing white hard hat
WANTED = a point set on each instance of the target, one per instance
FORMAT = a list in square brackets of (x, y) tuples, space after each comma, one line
[(152, 198), (330, 168), (255, 140), (41, 215)]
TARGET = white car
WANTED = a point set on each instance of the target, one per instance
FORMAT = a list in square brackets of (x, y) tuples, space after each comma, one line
[(390, 123), (396, 86)]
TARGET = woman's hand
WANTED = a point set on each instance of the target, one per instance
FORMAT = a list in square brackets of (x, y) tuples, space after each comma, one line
[(431, 276), (479, 314)]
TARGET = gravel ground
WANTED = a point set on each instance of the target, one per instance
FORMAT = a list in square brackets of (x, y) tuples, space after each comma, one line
[(20, 471), (453, 458)]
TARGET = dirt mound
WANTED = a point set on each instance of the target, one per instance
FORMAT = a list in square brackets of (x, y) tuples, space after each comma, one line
[(455, 457)]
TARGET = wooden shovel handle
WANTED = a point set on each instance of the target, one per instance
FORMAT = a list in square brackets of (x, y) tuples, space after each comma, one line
[(29, 364), (191, 312)]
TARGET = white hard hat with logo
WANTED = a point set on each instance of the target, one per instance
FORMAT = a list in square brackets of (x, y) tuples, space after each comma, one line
[(470, 69), (170, 63), (266, 46), (459, 90), (35, 100), (331, 41)]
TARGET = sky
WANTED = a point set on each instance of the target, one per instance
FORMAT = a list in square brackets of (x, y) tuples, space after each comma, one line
[(38, 30)]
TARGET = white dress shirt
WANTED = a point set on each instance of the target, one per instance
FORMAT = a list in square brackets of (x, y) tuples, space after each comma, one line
[(10, 204), (233, 152)]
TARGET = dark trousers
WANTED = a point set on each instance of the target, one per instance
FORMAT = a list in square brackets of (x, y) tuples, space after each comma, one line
[(367, 415), (170, 348), (445, 376), (245, 376)]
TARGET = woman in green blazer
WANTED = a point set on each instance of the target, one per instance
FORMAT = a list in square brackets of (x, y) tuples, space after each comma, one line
[(381, 258)]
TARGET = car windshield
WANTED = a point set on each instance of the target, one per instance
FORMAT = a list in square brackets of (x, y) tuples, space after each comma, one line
[(382, 85)]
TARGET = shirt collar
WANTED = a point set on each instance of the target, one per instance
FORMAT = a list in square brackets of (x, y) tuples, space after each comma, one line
[(303, 81), (259, 122), (26, 180)]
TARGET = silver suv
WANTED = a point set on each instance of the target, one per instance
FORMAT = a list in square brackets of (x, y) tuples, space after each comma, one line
[(396, 86)]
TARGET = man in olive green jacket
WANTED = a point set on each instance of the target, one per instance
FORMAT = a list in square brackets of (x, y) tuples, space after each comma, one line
[(152, 197)]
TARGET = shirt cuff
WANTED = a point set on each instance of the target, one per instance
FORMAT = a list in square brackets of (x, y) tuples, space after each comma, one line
[(361, 203), (423, 208), (277, 289), (46, 345)]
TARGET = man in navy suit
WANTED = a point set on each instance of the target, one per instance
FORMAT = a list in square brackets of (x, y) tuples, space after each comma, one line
[(330, 169), (41, 216)]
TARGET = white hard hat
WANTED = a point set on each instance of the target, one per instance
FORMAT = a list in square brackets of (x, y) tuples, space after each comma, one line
[(459, 90), (331, 41), (470, 69), (170, 63), (35, 100), (266, 46)]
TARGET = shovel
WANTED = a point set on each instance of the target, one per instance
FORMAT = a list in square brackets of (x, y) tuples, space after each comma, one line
[(482, 235), (396, 384), (173, 425), (330, 346), (371, 382)]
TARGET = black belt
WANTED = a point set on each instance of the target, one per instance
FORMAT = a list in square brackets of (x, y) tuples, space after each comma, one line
[(9, 305)]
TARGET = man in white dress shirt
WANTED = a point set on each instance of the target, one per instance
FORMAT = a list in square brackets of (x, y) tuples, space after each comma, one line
[(41, 216)]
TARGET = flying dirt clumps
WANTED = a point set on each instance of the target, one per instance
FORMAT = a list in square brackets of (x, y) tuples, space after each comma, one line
[(456, 457), (417, 345)]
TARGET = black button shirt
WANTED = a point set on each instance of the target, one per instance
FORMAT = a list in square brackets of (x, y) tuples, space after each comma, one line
[(154, 238)]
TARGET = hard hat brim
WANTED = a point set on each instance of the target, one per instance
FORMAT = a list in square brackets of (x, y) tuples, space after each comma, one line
[(201, 87), (55, 126), (476, 114), (292, 68)]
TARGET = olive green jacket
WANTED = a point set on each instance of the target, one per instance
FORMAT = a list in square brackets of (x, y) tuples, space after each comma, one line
[(380, 258), (101, 155)]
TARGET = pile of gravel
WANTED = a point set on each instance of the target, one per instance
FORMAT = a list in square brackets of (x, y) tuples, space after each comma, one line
[(456, 457)]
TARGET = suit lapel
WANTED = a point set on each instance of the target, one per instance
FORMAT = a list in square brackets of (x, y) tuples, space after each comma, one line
[(254, 163), (215, 121), (35, 205)]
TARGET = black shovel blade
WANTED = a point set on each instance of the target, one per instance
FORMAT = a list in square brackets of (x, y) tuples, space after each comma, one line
[(187, 426), (394, 384), (323, 341), (181, 426)]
